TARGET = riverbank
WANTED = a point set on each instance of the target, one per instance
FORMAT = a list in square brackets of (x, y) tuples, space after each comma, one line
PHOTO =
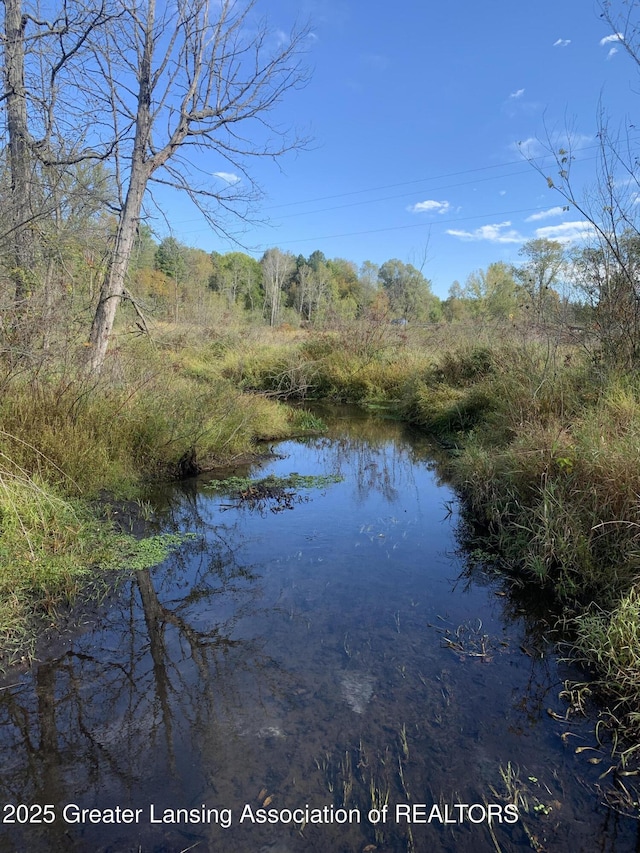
[(72, 445), (543, 445)]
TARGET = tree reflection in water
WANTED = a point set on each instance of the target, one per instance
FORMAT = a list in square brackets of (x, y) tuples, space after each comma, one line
[(298, 658)]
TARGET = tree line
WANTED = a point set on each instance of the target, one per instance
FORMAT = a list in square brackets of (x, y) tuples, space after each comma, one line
[(314, 290), (105, 101)]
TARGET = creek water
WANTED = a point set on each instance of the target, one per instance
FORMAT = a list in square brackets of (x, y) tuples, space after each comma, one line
[(307, 666)]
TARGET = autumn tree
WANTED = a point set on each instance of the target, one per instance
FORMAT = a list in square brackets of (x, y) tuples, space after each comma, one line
[(346, 286), (171, 77)]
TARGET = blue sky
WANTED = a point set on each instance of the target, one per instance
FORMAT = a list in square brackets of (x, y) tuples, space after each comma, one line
[(416, 110)]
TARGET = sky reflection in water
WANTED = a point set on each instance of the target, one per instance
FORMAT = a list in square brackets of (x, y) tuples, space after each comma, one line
[(331, 654)]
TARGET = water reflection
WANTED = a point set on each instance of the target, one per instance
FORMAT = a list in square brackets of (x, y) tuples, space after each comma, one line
[(331, 655)]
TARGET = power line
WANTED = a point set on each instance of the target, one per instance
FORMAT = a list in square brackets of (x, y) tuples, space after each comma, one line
[(409, 183), (436, 178), (416, 225), (403, 195), (437, 221), (393, 186)]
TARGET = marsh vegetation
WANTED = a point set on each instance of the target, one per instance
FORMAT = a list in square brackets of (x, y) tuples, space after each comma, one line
[(348, 655)]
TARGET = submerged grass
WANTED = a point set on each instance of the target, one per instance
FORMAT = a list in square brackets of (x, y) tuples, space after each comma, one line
[(237, 485)]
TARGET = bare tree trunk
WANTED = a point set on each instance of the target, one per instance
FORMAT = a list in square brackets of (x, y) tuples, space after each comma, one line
[(113, 286), (16, 106), (190, 77), (47, 307)]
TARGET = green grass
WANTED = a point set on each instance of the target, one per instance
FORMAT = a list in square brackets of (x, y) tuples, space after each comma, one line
[(608, 644), (67, 439), (51, 547), (545, 440)]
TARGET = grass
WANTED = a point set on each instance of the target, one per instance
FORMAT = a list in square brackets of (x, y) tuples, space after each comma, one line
[(607, 642), (51, 547), (87, 437), (546, 457), (67, 439), (545, 448)]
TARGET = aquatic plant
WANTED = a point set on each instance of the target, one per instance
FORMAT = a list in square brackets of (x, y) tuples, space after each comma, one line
[(278, 492), (608, 643), (137, 554), (236, 485)]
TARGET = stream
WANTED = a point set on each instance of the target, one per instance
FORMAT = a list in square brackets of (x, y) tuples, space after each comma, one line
[(335, 674)]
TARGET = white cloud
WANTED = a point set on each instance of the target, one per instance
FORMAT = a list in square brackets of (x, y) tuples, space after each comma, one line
[(529, 148), (612, 52), (518, 94), (612, 37), (228, 177), (491, 233), (566, 232), (430, 206), (545, 214), (561, 42)]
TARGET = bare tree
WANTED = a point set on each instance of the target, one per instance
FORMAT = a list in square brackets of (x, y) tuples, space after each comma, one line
[(42, 58), (19, 155), (607, 268), (277, 269), (199, 73)]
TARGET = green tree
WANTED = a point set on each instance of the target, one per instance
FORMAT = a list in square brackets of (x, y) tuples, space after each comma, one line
[(369, 283), (170, 260), (456, 306), (144, 250), (239, 277), (493, 293), (409, 291), (538, 276)]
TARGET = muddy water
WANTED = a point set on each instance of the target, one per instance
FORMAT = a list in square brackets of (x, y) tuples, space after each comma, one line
[(338, 658)]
